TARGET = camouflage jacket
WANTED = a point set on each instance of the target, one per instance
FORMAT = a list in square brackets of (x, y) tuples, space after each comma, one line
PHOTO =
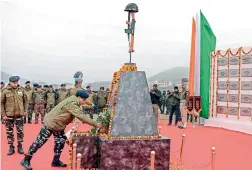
[(14, 102), (51, 98), (62, 95), (184, 96), (102, 98), (64, 113), (29, 92), (39, 97), (174, 99), (74, 90)]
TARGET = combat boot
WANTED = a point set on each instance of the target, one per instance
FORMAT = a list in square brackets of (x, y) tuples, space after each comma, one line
[(11, 150), (57, 163), (26, 162), (20, 148)]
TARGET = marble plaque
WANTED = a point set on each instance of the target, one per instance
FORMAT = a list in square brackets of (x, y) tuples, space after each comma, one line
[(233, 85), (246, 72), (222, 73), (222, 61), (233, 110), (134, 154), (221, 109), (133, 111), (222, 97), (245, 98), (234, 60), (233, 73), (233, 98), (222, 85), (245, 111), (247, 59), (246, 85)]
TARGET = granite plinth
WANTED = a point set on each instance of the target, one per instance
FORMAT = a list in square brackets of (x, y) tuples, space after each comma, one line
[(133, 114), (101, 153), (134, 154), (88, 146)]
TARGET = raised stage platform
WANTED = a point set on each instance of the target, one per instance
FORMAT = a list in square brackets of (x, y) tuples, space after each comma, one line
[(232, 123)]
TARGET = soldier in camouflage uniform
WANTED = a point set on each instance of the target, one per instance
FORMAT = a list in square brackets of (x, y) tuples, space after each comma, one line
[(174, 98), (163, 102), (183, 103), (101, 99), (2, 86), (39, 99), (14, 105), (50, 99), (55, 124), (89, 109), (168, 103), (62, 93), (29, 92)]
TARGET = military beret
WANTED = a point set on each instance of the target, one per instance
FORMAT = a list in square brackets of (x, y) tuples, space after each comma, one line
[(88, 87), (46, 86), (2, 82), (155, 85), (82, 93), (39, 86), (27, 82), (51, 86), (62, 85), (14, 78), (175, 87), (35, 85)]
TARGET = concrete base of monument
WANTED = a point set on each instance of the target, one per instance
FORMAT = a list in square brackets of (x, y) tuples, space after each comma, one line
[(103, 154), (244, 124)]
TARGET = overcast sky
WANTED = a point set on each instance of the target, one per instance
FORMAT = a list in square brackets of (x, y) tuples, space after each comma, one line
[(49, 40)]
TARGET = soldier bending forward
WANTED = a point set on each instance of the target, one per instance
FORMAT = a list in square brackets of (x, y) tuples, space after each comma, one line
[(55, 123), (14, 105)]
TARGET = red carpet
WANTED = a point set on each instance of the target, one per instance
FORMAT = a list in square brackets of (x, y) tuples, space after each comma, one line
[(233, 149)]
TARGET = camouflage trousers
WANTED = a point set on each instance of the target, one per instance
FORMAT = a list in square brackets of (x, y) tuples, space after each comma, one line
[(39, 110), (44, 134), (30, 112), (9, 123), (49, 107)]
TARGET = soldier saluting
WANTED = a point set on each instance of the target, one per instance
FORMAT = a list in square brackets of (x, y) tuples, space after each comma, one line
[(14, 105), (55, 123)]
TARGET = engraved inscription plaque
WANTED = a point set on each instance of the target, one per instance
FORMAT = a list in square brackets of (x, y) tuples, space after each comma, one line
[(233, 73), (233, 85), (247, 59), (222, 97), (245, 111), (222, 61), (233, 98), (221, 109), (233, 110), (246, 72), (245, 98), (222, 85), (234, 60), (246, 85), (222, 73)]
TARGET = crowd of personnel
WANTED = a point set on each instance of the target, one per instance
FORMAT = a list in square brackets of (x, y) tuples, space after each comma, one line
[(42, 99), (172, 103)]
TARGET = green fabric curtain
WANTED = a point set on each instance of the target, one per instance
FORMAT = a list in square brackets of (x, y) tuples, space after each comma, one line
[(207, 45)]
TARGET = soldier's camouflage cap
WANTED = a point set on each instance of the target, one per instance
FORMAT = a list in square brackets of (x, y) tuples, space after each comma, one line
[(14, 78), (39, 86)]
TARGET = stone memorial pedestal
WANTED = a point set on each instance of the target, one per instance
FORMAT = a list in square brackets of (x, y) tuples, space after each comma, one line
[(103, 154)]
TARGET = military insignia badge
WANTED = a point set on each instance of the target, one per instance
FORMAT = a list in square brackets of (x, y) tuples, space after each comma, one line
[(19, 93)]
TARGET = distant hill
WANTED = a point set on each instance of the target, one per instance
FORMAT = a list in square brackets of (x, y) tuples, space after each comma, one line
[(174, 74), (96, 85)]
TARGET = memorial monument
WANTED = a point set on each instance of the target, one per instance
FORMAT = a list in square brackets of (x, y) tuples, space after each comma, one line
[(130, 130)]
